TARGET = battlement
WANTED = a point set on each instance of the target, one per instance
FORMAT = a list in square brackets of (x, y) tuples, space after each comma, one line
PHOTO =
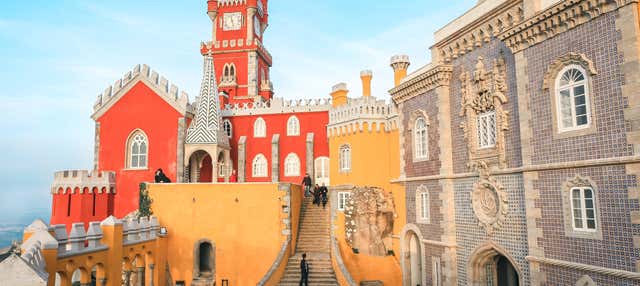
[(277, 106), (235, 43), (81, 181), (169, 91), (349, 117), (222, 3)]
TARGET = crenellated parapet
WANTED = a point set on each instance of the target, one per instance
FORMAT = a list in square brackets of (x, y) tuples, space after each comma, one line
[(223, 3), (168, 91), (351, 117), (83, 181), (205, 47), (277, 106)]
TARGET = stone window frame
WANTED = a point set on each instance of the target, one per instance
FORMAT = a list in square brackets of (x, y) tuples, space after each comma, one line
[(342, 200), (492, 140), (229, 74), (196, 258), (344, 158), (413, 120), (576, 182), (436, 271), (420, 192), (129, 150), (259, 159), (228, 127), (293, 126), (292, 165), (550, 84), (585, 281), (259, 128)]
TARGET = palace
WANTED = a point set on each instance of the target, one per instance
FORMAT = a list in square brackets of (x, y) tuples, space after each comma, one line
[(513, 158)]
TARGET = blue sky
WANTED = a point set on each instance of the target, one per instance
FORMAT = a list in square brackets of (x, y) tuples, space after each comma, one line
[(56, 56)]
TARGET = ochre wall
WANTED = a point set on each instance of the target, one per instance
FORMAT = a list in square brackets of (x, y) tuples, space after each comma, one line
[(374, 162), (243, 221), (141, 108)]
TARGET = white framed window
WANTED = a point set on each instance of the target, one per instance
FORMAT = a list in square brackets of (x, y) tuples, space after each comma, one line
[(293, 126), (321, 166), (487, 129), (228, 128), (138, 150), (343, 197), (345, 158), (420, 138), (292, 165), (572, 99), (436, 270), (259, 166), (422, 205), (583, 209), (259, 128)]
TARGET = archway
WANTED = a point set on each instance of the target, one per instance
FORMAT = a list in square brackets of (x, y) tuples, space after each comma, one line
[(412, 261), (204, 261), (222, 167), (200, 168), (490, 265)]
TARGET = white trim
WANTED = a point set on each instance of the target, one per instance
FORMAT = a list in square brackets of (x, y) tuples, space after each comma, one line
[(259, 128), (342, 200), (570, 87), (418, 138), (228, 123), (491, 138), (423, 207), (292, 165), (262, 160), (583, 209), (293, 126), (129, 152), (344, 163)]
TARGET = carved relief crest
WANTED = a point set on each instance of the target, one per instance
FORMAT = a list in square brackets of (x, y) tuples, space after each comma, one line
[(369, 216), (483, 91), (489, 200)]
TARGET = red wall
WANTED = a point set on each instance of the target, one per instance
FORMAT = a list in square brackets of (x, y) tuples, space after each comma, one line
[(82, 207), (314, 122), (141, 108)]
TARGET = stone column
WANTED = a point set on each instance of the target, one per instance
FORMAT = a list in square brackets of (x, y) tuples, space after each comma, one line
[(180, 150), (151, 266), (251, 11), (140, 276), (241, 159), (127, 278), (275, 158), (309, 162)]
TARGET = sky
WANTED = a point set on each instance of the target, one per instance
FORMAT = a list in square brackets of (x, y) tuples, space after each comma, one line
[(57, 56)]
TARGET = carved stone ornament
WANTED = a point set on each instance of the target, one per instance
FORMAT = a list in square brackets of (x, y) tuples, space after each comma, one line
[(489, 200), (569, 59), (369, 215), (483, 91)]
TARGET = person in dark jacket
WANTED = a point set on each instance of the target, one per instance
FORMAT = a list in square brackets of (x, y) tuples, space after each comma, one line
[(324, 192), (316, 195), (306, 184), (161, 177), (304, 270)]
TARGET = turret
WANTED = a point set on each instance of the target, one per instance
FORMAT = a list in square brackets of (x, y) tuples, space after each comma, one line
[(212, 11), (339, 94), (366, 76), (399, 63)]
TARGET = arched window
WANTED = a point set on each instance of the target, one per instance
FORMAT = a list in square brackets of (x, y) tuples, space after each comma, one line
[(137, 149), (293, 126), (292, 165), (583, 208), (259, 166), (259, 128), (227, 127), (229, 73), (321, 165), (422, 205), (420, 137), (345, 158), (572, 99)]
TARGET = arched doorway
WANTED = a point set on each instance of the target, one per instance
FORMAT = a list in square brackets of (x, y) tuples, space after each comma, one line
[(322, 170), (204, 262), (490, 265), (200, 168), (412, 261)]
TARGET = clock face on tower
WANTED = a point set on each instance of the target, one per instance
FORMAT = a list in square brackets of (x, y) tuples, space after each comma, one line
[(232, 21)]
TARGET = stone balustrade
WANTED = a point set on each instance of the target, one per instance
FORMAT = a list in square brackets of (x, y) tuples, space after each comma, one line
[(83, 181)]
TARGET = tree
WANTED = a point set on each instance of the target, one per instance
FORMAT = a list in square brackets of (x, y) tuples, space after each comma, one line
[(144, 208)]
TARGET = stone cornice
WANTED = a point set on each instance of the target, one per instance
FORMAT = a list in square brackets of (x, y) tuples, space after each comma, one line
[(561, 17), (432, 78)]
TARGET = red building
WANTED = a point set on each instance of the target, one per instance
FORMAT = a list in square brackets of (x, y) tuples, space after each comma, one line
[(143, 123)]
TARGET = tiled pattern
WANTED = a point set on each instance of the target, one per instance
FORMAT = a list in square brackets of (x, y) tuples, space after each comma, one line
[(597, 40), (428, 103), (563, 276), (512, 237), (489, 51)]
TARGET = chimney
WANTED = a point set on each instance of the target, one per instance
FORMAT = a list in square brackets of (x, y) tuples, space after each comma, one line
[(366, 76), (399, 63), (339, 94)]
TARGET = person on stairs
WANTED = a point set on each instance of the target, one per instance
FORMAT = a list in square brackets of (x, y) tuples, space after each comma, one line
[(306, 184), (316, 195), (324, 192), (304, 271)]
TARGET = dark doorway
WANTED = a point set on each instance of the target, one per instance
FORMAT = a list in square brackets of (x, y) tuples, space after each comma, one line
[(507, 275)]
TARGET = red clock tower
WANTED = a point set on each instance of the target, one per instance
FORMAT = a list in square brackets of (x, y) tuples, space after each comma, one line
[(241, 61)]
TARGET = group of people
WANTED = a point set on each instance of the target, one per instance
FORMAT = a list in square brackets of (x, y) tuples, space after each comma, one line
[(319, 193)]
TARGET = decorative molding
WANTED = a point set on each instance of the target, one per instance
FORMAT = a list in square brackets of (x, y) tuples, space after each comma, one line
[(585, 280), (487, 26), (567, 210), (159, 84), (350, 118), (422, 189), (561, 17), (586, 267), (276, 106), (489, 200), (421, 83), (484, 91), (563, 61)]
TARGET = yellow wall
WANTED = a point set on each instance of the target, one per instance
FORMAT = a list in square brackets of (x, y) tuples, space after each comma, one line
[(244, 221), (375, 161)]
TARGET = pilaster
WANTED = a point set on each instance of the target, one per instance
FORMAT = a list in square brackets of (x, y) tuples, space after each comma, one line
[(309, 157), (180, 150), (275, 158), (242, 159), (96, 146)]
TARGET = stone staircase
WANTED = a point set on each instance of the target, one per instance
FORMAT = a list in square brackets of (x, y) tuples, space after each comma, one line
[(313, 239)]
